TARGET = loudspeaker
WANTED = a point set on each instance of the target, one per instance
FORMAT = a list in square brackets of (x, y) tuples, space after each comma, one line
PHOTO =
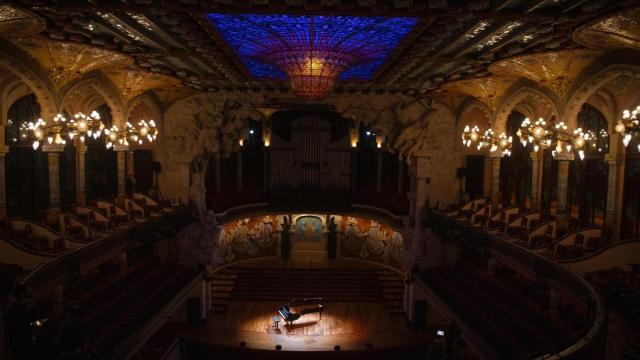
[(156, 167), (194, 315), (461, 173)]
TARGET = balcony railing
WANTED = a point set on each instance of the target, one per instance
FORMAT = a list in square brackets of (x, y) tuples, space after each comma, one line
[(553, 274), (46, 276)]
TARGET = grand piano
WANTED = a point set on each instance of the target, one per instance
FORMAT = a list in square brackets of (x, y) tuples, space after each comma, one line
[(297, 307)]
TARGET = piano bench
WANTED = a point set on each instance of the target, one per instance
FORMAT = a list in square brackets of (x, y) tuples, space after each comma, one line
[(276, 322)]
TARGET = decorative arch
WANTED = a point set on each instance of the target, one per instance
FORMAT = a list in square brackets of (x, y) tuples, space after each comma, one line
[(470, 104), (594, 84), (518, 93), (36, 83), (102, 89), (149, 99)]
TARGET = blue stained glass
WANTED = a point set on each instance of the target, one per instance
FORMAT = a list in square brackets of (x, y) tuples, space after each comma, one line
[(368, 39)]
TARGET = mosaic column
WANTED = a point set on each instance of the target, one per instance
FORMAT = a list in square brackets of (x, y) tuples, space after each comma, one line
[(536, 174), (614, 162), (81, 196), (130, 163), (563, 180), (121, 151), (3, 183), (495, 180), (53, 153)]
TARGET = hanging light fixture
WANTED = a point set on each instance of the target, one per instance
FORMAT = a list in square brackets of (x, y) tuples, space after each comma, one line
[(629, 126), (541, 135), (487, 140), (53, 132), (145, 131), (87, 126)]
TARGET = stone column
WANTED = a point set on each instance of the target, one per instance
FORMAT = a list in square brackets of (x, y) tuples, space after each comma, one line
[(614, 162), (379, 171), (495, 180), (130, 163), (81, 196), (536, 182), (421, 174), (354, 169), (265, 164), (400, 176), (563, 180), (121, 151), (3, 182), (53, 152), (217, 172), (239, 170)]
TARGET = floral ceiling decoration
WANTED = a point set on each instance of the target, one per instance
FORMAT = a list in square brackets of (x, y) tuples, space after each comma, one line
[(313, 51), (556, 69), (66, 61), (17, 22), (132, 83), (487, 89)]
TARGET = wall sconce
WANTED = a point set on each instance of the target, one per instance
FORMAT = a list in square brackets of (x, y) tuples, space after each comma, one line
[(379, 140)]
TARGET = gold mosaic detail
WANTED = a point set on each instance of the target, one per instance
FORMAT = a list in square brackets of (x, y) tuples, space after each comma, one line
[(615, 32), (487, 89), (17, 22)]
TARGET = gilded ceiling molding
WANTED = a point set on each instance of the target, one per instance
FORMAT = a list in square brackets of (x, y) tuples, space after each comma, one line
[(17, 22), (555, 70), (68, 61), (103, 88), (519, 92), (36, 84), (594, 83), (618, 31), (488, 90), (133, 83)]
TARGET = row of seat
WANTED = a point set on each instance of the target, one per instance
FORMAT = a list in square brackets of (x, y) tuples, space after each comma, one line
[(488, 304)]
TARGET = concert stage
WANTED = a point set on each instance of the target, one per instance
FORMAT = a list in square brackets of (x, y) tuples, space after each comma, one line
[(358, 317)]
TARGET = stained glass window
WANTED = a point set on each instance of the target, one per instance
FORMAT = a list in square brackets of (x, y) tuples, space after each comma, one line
[(365, 42)]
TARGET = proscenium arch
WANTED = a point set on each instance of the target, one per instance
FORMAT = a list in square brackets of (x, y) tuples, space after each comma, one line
[(103, 88), (516, 94)]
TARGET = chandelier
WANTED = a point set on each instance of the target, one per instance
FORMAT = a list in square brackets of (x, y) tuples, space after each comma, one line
[(146, 131), (81, 126), (60, 129), (312, 72), (629, 126), (542, 135), (487, 139)]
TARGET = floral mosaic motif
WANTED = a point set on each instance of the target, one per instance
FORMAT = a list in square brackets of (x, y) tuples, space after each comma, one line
[(309, 228), (370, 238), (256, 37), (247, 235)]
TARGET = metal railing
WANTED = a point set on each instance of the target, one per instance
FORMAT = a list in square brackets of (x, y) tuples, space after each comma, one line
[(543, 269), (46, 276)]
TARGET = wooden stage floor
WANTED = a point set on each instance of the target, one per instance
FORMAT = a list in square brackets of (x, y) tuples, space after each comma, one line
[(350, 325)]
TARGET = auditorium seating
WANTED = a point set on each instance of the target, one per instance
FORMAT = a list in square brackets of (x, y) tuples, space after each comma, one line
[(119, 303), (487, 303)]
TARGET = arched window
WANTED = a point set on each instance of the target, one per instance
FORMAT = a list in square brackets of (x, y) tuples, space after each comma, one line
[(26, 169), (515, 170)]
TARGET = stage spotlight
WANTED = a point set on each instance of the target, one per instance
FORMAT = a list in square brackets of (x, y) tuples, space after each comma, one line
[(336, 348), (440, 333), (278, 347)]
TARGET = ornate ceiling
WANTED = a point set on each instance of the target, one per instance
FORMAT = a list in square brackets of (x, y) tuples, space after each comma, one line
[(452, 40)]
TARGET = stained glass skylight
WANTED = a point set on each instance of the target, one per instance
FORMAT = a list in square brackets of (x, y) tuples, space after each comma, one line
[(362, 42)]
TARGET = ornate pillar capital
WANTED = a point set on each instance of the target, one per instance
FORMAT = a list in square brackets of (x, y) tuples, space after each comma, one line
[(53, 148), (612, 159), (119, 147), (4, 150), (565, 156)]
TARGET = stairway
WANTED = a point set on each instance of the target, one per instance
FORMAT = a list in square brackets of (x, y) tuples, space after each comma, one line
[(221, 287), (392, 285)]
